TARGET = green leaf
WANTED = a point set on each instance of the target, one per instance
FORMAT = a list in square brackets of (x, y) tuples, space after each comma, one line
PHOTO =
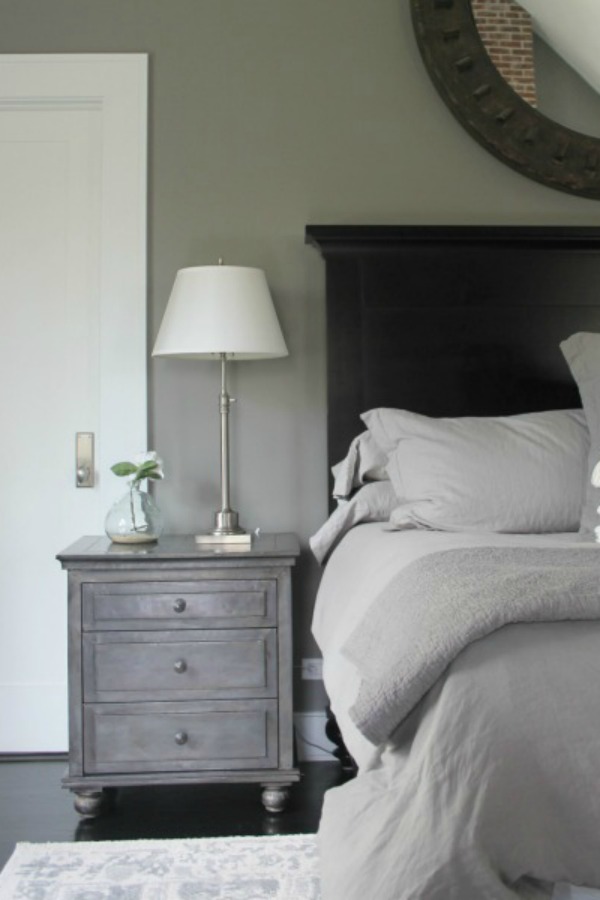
[(147, 468), (123, 468)]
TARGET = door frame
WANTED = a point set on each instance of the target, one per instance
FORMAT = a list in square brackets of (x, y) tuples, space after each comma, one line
[(34, 714), (117, 86)]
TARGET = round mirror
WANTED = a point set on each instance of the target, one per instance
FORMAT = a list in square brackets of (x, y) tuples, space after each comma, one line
[(490, 108), (547, 50)]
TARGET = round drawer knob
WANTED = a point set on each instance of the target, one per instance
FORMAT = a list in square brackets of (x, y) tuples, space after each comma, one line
[(181, 738), (179, 605), (180, 666)]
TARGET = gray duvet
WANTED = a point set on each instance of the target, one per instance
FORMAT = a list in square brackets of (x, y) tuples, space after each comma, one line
[(480, 679), (440, 603)]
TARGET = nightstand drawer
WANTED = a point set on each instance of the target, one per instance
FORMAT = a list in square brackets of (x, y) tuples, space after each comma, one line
[(122, 666), (148, 605), (163, 737)]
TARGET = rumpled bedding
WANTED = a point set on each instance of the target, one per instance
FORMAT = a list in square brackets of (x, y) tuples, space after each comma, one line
[(372, 503), (441, 603), (487, 790)]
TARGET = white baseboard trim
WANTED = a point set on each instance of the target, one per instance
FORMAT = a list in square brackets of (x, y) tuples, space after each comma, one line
[(33, 757), (567, 892), (312, 744)]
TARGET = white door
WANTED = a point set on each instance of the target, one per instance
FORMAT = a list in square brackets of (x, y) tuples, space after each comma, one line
[(72, 347)]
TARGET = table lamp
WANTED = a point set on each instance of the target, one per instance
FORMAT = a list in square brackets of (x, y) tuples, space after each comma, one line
[(225, 313)]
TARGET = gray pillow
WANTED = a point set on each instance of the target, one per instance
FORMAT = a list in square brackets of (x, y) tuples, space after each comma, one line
[(372, 503), (507, 474), (364, 462), (582, 352)]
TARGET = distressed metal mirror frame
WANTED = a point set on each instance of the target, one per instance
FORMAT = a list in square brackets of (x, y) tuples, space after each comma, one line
[(494, 114)]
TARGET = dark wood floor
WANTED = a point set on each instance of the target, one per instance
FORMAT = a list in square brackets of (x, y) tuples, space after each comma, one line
[(34, 807)]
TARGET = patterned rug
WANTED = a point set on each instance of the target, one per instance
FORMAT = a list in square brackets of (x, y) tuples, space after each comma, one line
[(281, 867)]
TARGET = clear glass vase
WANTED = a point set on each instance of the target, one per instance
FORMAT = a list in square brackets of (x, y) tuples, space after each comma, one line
[(134, 518)]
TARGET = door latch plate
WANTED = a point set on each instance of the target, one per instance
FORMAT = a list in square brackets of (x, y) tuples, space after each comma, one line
[(84, 459)]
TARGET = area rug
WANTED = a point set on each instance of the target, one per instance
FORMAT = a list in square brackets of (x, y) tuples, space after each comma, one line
[(278, 867)]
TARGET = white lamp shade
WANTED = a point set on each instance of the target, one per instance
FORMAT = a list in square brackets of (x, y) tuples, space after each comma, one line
[(220, 309)]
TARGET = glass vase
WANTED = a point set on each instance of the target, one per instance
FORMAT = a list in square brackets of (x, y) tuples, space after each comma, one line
[(134, 518)]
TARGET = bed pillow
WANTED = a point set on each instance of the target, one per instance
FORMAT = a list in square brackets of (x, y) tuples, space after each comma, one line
[(364, 462), (515, 474), (372, 503), (582, 352)]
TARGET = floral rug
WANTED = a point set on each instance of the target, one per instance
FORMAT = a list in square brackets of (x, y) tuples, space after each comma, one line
[(279, 867)]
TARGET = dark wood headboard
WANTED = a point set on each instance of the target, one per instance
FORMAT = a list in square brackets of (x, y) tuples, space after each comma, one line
[(452, 321)]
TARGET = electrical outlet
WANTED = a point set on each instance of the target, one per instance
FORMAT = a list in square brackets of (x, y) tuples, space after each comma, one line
[(312, 669)]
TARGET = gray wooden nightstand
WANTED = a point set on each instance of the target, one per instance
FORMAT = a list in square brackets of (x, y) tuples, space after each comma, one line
[(180, 666)]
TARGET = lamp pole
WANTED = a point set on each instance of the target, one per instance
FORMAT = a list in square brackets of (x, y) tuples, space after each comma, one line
[(226, 520)]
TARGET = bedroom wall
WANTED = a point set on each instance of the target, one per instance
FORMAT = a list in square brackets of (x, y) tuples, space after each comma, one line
[(266, 115)]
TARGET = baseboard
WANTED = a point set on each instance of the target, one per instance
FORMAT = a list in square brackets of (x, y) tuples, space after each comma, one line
[(567, 892), (34, 757), (312, 744)]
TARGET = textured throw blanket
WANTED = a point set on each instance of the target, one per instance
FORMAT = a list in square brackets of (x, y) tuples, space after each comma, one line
[(443, 602)]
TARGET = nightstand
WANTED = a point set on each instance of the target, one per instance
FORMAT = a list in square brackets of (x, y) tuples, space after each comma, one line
[(180, 666)]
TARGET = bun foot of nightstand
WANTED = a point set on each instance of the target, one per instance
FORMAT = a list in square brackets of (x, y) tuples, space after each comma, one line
[(89, 803), (275, 797)]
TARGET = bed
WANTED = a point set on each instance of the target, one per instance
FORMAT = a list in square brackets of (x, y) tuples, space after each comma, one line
[(459, 609)]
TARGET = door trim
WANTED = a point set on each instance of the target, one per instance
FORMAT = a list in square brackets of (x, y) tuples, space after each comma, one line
[(116, 86)]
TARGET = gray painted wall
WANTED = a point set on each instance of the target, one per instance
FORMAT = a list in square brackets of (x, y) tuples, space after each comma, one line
[(266, 115)]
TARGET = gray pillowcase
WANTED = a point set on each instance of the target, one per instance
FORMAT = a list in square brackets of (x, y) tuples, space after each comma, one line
[(582, 353), (372, 503), (514, 474), (364, 462)]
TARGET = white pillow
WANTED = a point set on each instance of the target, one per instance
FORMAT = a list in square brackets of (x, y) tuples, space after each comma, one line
[(516, 474), (582, 352), (372, 503)]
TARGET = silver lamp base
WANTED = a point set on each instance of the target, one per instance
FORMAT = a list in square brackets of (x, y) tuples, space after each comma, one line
[(226, 531)]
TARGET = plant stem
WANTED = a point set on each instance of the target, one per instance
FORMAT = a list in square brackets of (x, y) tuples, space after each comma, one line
[(132, 506)]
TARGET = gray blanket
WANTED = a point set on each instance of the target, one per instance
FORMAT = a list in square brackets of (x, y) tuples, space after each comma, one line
[(443, 602)]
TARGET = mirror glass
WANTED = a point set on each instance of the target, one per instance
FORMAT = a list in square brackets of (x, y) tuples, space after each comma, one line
[(549, 53)]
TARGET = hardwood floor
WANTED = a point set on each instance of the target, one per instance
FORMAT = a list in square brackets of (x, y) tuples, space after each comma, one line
[(34, 807)]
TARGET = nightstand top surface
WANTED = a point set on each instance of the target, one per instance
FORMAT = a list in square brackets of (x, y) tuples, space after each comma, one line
[(178, 546)]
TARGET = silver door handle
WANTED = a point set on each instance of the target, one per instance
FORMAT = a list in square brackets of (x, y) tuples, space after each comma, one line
[(84, 459), (83, 474)]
